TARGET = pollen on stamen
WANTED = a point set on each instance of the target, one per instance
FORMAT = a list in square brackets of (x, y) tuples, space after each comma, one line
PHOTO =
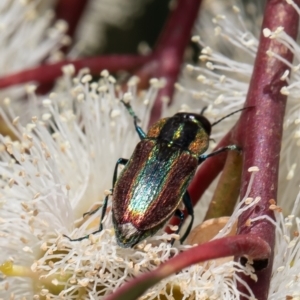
[(285, 75), (153, 81), (133, 81), (30, 88), (236, 9), (107, 192), (166, 99), (7, 101), (16, 120), (284, 91), (104, 73), (217, 30), (270, 53), (189, 68), (111, 79), (47, 102), (267, 32), (210, 65), (291, 172), (253, 169), (256, 200), (248, 223), (86, 78), (196, 39), (248, 200), (179, 87), (201, 78), (127, 97), (173, 227), (203, 58), (68, 70), (115, 113)]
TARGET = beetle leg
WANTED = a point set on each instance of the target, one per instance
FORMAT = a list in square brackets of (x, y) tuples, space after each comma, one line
[(203, 157), (90, 213), (138, 129), (179, 214), (189, 207), (120, 161)]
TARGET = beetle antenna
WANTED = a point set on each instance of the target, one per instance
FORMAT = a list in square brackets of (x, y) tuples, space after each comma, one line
[(203, 110), (130, 110), (213, 124)]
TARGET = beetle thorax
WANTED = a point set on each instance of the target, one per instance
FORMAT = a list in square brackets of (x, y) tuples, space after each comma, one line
[(181, 131)]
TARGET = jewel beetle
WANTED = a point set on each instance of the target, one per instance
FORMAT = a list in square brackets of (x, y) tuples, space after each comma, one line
[(154, 181)]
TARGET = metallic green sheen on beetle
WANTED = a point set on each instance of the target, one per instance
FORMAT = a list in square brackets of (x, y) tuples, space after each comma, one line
[(155, 179)]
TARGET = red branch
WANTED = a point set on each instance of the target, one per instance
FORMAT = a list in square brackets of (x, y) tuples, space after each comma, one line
[(164, 63), (249, 245), (70, 11), (261, 143), (209, 170), (46, 73), (263, 128), (170, 49)]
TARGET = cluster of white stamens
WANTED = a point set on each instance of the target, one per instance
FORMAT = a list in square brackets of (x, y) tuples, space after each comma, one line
[(60, 165)]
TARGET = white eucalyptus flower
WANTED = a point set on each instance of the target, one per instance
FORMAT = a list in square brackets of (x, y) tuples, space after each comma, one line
[(60, 166), (28, 37)]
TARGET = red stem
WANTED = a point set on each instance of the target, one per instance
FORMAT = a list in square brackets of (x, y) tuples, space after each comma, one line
[(70, 11), (249, 245), (263, 127), (209, 170), (261, 144), (46, 73), (170, 49), (165, 62)]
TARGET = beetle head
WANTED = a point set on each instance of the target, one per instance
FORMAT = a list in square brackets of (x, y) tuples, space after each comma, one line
[(196, 117)]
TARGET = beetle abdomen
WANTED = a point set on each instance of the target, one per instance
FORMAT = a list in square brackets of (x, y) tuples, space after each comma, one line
[(151, 185)]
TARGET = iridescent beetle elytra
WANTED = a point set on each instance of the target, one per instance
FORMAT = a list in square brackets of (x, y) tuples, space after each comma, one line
[(154, 180)]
